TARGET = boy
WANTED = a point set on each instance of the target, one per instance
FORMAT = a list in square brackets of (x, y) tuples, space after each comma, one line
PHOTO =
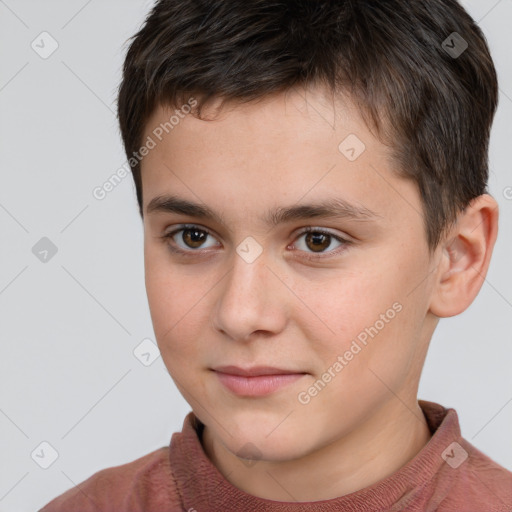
[(257, 132)]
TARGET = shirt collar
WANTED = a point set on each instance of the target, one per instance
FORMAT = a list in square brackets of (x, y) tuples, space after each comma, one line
[(203, 487)]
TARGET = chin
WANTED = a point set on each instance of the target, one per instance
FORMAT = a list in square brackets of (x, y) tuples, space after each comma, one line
[(261, 436), (255, 448)]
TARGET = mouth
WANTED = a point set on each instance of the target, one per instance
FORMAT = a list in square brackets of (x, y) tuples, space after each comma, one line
[(257, 380)]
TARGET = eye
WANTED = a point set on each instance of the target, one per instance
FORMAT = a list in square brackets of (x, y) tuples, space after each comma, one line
[(318, 240), (192, 239)]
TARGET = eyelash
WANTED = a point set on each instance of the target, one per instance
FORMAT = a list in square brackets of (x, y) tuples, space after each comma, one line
[(309, 229)]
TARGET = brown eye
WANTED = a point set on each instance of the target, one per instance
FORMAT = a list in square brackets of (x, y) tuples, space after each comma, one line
[(190, 241), (193, 237), (318, 242)]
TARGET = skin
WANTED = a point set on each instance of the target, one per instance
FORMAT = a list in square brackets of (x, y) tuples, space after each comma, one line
[(286, 311)]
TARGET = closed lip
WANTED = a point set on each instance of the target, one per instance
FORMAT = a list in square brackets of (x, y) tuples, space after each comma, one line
[(255, 371)]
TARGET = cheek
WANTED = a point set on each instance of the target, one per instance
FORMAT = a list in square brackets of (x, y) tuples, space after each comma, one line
[(166, 294), (367, 315), (178, 305), (169, 287), (385, 328), (348, 303), (159, 289)]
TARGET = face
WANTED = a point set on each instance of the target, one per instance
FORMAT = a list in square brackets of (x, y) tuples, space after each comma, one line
[(343, 307)]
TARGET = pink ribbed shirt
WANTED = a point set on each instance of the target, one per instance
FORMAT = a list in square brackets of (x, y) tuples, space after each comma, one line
[(447, 475)]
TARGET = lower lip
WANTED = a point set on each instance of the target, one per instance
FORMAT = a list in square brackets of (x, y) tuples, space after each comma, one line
[(257, 386)]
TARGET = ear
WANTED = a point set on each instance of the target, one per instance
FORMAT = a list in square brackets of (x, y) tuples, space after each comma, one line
[(465, 256)]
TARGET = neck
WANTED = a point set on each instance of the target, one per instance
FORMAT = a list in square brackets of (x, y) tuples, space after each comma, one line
[(374, 451)]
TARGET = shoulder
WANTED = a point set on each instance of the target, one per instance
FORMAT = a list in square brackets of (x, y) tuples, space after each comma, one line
[(144, 484), (479, 482)]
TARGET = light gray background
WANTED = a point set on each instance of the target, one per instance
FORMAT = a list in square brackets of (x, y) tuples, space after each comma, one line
[(69, 326)]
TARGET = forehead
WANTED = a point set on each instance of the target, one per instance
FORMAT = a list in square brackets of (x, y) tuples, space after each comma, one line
[(305, 114), (286, 148)]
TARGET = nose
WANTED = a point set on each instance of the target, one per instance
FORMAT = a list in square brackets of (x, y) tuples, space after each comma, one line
[(252, 298)]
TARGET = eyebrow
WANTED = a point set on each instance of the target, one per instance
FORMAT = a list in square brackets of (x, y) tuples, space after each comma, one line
[(336, 208)]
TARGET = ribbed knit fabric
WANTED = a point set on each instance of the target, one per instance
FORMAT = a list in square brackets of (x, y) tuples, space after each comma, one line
[(442, 477)]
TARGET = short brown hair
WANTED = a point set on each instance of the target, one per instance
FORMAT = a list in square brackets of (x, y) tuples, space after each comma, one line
[(392, 56)]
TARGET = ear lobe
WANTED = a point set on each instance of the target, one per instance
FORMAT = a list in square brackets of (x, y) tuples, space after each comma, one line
[(465, 257)]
